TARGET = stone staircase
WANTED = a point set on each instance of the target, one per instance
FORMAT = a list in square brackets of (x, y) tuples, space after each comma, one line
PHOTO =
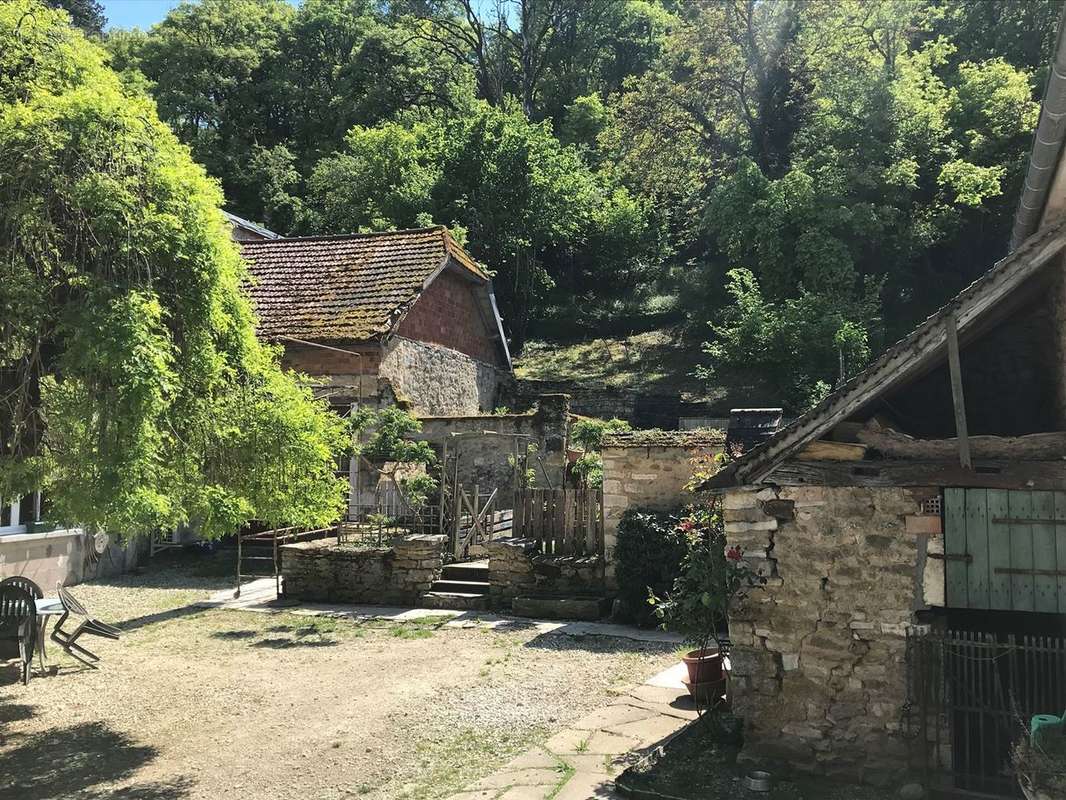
[(463, 587)]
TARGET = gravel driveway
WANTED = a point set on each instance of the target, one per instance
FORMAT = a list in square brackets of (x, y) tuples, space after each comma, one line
[(211, 703)]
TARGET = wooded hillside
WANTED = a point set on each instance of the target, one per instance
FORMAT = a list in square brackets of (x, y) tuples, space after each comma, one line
[(794, 182)]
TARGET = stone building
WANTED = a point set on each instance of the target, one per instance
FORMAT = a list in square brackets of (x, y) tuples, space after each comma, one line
[(403, 317), (923, 498)]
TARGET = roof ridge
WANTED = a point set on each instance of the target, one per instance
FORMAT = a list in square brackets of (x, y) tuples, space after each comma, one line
[(346, 236)]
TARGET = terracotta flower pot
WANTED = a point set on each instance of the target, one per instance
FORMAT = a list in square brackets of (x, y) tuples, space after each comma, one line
[(704, 666), (709, 693)]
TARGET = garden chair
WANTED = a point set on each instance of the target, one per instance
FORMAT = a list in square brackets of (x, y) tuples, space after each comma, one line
[(18, 626), (89, 625), (23, 582)]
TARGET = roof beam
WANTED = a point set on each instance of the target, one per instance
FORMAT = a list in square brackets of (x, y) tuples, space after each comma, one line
[(951, 330), (908, 356)]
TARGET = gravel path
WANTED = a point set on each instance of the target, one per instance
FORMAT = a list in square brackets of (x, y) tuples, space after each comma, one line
[(196, 703)]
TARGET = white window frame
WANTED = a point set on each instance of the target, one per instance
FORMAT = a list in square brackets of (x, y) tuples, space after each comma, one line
[(16, 512)]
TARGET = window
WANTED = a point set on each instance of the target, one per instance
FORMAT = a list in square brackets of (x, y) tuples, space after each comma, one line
[(17, 514)]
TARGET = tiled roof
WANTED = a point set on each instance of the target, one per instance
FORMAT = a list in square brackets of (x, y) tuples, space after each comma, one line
[(657, 438), (337, 288)]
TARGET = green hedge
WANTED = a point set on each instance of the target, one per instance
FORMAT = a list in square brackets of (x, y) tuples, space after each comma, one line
[(648, 555)]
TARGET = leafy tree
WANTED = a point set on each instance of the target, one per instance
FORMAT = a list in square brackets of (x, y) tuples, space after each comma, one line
[(134, 390), (85, 14)]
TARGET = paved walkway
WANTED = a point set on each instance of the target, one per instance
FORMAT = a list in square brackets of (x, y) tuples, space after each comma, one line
[(260, 596), (581, 762)]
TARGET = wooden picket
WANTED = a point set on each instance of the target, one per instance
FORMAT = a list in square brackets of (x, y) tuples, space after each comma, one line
[(564, 522)]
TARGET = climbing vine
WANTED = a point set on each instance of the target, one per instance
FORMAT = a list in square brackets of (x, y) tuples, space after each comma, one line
[(133, 391)]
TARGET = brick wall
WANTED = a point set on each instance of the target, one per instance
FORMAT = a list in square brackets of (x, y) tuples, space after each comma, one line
[(447, 313), (818, 654), (327, 572)]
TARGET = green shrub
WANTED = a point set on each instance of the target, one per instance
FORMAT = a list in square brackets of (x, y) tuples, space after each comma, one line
[(649, 553)]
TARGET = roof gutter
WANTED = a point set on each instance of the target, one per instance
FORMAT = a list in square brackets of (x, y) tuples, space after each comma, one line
[(1047, 150)]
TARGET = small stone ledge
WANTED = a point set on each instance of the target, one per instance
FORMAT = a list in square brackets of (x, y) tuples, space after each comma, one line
[(327, 571)]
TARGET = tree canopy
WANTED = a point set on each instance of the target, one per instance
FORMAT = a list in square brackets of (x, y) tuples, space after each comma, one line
[(795, 182), (133, 390)]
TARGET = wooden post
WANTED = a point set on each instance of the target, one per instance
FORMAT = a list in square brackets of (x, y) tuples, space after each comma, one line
[(955, 368)]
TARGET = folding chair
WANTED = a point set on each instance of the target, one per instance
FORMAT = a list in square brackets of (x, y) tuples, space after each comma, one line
[(89, 625), (18, 626)]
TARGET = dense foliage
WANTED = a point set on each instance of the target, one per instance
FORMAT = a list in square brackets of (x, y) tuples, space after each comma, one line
[(796, 182), (648, 555), (587, 434), (132, 387)]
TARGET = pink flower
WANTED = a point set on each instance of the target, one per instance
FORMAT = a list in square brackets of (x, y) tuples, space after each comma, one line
[(734, 553), (686, 525)]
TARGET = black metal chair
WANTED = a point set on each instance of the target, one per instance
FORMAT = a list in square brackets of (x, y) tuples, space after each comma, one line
[(89, 625), (18, 626)]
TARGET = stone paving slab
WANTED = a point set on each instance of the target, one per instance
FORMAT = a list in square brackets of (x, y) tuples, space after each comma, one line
[(260, 596), (595, 749)]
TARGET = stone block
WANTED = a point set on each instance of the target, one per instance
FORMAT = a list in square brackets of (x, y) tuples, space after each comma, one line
[(738, 499)]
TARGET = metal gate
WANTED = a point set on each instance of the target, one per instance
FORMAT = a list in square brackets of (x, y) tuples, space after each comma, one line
[(1005, 550), (970, 698)]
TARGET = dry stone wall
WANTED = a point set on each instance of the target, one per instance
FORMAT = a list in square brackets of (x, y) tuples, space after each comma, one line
[(324, 571), (516, 569), (818, 653), (433, 379)]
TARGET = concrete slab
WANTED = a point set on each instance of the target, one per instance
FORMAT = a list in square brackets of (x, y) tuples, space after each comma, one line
[(670, 678)]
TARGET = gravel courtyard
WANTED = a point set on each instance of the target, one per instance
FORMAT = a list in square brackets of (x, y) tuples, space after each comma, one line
[(210, 703)]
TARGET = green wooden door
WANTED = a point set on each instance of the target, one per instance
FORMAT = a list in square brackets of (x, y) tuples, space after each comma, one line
[(1005, 549)]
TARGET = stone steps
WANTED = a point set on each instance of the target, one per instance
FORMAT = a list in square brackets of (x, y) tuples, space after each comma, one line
[(574, 607), (475, 571), (463, 587), (456, 601)]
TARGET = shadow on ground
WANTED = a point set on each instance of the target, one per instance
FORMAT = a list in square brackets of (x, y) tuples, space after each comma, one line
[(82, 761), (563, 640)]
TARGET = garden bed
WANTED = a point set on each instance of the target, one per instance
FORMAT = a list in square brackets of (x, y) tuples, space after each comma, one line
[(701, 764)]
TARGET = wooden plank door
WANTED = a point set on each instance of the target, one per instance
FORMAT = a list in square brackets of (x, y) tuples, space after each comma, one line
[(1005, 550)]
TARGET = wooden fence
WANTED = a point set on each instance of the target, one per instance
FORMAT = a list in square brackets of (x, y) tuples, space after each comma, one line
[(566, 522)]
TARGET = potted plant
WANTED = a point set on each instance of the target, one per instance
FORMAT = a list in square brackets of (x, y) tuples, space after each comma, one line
[(713, 577)]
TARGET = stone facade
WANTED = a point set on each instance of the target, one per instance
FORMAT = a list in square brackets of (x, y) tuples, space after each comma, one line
[(818, 653), (640, 408), (327, 572), (649, 469), (431, 379), (516, 570), (485, 460)]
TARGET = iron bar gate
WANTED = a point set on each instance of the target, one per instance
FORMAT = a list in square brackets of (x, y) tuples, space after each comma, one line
[(970, 698)]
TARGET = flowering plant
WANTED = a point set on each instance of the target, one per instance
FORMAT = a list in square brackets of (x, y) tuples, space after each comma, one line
[(713, 577)]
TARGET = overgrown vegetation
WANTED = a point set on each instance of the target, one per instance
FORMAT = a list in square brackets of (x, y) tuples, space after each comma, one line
[(649, 553), (133, 390), (795, 183), (391, 441), (587, 434)]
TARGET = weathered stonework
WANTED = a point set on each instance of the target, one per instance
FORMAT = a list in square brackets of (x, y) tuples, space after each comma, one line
[(516, 569), (327, 572), (818, 653), (648, 469), (486, 460), (434, 379)]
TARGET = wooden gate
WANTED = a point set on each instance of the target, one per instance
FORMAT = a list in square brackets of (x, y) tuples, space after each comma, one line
[(566, 522), (1005, 550), (475, 520)]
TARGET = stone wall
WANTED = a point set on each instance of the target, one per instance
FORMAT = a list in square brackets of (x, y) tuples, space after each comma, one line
[(642, 409), (516, 569), (324, 571), (485, 460), (432, 379), (649, 469), (818, 653)]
